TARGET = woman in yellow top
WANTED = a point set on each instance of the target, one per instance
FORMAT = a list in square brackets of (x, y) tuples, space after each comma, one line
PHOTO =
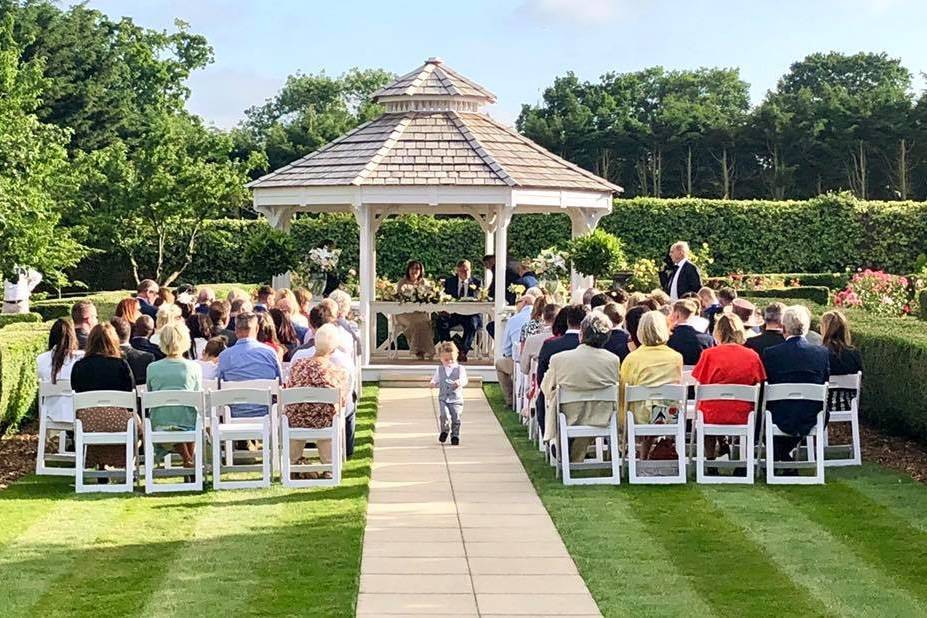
[(651, 364)]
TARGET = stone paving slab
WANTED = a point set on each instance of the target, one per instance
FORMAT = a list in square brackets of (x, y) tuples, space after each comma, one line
[(458, 531)]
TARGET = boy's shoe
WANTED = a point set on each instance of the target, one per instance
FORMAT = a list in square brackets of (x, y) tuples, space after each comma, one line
[(442, 438), (455, 441)]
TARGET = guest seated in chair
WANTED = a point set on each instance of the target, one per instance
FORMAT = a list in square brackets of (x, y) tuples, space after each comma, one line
[(772, 329), (844, 358), (795, 361), (461, 285), (685, 338), (587, 367), (505, 366), (248, 359), (569, 340)]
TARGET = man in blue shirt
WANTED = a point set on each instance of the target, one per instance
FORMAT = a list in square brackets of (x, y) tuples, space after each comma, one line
[(511, 345), (248, 359)]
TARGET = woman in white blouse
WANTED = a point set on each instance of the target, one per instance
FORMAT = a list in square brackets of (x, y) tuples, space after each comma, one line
[(56, 364)]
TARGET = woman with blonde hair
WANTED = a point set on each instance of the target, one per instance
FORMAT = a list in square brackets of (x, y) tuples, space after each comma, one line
[(729, 362), (167, 314), (129, 309), (319, 372), (653, 363), (844, 357), (175, 373), (416, 325)]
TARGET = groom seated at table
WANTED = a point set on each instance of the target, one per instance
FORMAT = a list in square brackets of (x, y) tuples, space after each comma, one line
[(462, 285)]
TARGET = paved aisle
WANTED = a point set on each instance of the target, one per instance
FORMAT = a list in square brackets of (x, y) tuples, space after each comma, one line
[(458, 530)]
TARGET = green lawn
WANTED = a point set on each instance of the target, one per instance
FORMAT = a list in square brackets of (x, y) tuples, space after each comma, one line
[(856, 546), (250, 552)]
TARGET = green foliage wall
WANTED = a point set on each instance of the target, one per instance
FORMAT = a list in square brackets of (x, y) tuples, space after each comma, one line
[(17, 318), (20, 344), (821, 235)]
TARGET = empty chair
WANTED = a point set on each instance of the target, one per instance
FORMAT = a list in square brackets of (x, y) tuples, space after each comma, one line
[(296, 437), (224, 428), (607, 435), (816, 393), (160, 399), (742, 433), (127, 438), (849, 385), (59, 391), (663, 425)]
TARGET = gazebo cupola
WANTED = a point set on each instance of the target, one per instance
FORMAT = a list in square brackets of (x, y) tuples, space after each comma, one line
[(434, 150), (433, 87)]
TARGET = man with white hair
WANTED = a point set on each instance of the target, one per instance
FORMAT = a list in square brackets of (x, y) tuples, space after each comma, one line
[(685, 277), (505, 366), (587, 367), (797, 361)]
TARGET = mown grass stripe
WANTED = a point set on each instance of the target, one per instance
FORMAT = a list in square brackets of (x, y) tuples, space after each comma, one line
[(28, 500), (127, 560), (625, 568), (728, 569), (876, 534), (900, 494), (812, 557)]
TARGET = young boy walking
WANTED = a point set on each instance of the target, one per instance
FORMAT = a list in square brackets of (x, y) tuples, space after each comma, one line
[(450, 379)]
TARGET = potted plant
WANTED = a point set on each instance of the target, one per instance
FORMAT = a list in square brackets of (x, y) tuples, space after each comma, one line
[(599, 255)]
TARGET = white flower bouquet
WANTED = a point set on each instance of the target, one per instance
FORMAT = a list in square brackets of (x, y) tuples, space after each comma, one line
[(551, 264), (323, 259)]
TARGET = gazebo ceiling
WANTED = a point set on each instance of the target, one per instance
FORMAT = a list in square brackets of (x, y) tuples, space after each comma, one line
[(433, 133)]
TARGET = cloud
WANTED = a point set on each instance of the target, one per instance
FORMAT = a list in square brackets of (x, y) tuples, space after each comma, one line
[(576, 12)]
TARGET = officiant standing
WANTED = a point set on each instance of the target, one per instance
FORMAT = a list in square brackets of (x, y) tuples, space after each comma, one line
[(685, 277), (18, 289)]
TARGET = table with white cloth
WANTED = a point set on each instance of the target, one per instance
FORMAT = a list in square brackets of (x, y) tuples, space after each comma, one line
[(484, 344)]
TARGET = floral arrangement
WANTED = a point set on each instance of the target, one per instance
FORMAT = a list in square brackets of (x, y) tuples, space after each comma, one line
[(551, 264), (702, 258), (555, 289), (426, 291), (516, 288), (645, 276), (323, 259), (877, 292)]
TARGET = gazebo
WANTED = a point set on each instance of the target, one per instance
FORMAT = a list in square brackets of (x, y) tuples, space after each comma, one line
[(432, 151)]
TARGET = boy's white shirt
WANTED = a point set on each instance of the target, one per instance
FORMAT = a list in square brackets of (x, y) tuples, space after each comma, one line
[(461, 382)]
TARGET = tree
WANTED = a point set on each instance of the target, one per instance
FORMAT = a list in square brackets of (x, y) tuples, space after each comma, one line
[(34, 172), (150, 202), (104, 77), (308, 112)]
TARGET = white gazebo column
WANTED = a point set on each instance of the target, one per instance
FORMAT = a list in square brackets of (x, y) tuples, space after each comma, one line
[(583, 220), (489, 249), (279, 218), (366, 274), (501, 253)]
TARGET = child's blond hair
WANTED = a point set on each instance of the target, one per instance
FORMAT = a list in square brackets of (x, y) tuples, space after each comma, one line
[(446, 347)]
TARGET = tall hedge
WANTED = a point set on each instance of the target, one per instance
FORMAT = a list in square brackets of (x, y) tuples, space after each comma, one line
[(824, 234), (20, 344)]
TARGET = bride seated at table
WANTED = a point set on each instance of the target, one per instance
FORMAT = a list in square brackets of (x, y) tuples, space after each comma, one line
[(416, 325)]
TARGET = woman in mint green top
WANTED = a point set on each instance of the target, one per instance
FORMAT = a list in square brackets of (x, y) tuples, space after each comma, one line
[(175, 373)]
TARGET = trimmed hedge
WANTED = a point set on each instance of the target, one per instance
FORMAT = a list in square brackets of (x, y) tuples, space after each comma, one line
[(16, 318), (20, 344), (816, 294), (894, 352), (821, 235), (832, 281)]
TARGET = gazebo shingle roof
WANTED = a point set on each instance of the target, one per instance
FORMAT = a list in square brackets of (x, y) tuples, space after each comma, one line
[(439, 146)]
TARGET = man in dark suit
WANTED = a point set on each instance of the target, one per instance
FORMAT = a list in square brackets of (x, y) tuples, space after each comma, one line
[(141, 331), (685, 339), (568, 341), (772, 329), (685, 277), (795, 361), (137, 359), (220, 314), (147, 294), (618, 338), (462, 285)]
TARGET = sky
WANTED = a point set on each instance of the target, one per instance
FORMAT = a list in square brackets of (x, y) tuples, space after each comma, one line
[(515, 48)]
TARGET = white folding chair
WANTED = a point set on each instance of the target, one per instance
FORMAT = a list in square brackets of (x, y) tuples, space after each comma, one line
[(225, 428), (852, 381), (191, 399), (602, 435), (518, 386), (674, 394), (273, 385), (127, 438), (691, 383), (815, 451), (744, 434), (335, 433), (531, 400), (61, 388)]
